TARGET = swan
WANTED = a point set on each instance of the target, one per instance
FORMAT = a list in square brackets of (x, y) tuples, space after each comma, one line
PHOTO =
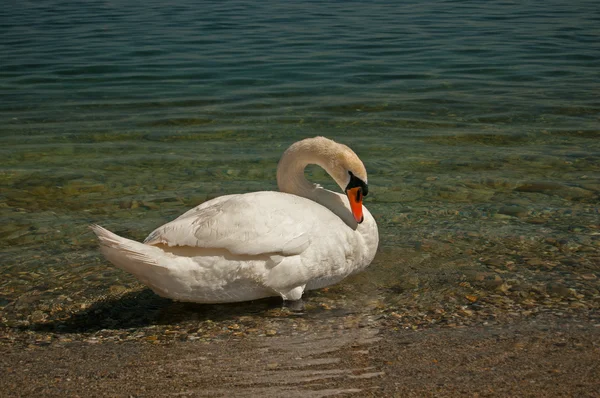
[(260, 244)]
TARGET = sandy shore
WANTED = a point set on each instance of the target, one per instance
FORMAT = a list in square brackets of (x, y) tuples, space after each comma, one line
[(533, 357)]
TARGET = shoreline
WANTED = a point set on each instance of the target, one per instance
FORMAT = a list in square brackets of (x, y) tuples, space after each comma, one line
[(541, 356)]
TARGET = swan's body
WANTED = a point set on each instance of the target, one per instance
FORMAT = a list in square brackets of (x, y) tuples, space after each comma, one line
[(249, 246)]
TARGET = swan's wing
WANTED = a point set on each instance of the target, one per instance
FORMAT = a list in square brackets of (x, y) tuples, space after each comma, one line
[(249, 224)]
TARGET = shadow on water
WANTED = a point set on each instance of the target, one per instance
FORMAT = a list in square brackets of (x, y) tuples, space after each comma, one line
[(144, 308)]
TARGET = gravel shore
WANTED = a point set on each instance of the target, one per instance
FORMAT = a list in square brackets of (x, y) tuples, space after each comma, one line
[(537, 358)]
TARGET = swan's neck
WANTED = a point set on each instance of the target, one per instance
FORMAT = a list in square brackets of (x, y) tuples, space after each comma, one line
[(290, 176)]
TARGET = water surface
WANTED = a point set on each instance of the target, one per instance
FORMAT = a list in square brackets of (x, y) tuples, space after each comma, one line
[(478, 125)]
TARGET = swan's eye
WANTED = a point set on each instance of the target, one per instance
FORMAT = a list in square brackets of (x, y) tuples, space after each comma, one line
[(359, 195), (357, 182)]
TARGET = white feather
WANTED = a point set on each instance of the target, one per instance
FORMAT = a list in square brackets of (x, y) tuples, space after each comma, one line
[(250, 246)]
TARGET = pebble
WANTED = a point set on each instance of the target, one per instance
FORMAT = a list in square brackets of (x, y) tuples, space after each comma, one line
[(514, 211), (471, 298), (38, 316), (503, 287), (564, 191), (117, 289), (494, 261), (556, 289), (535, 262)]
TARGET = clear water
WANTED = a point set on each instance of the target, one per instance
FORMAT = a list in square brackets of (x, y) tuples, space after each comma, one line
[(478, 124)]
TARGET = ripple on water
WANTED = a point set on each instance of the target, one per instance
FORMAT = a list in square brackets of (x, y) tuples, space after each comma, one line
[(482, 151)]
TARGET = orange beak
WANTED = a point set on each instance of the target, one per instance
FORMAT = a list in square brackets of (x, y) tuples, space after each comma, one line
[(355, 197)]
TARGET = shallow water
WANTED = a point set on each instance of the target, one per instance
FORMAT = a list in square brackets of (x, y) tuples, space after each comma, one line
[(478, 125)]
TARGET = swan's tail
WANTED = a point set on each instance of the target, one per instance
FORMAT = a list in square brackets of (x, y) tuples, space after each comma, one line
[(179, 277), (134, 257)]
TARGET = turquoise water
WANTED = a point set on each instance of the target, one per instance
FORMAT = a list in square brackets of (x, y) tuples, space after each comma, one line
[(477, 122)]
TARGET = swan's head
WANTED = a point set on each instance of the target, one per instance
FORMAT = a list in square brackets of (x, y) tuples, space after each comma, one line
[(350, 174), (342, 164)]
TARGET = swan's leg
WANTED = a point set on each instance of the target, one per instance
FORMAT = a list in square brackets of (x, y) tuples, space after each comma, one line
[(294, 294), (294, 306)]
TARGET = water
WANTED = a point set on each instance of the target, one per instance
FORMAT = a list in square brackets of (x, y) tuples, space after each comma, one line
[(478, 124)]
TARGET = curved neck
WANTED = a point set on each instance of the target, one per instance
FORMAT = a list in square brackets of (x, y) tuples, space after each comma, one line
[(290, 176), (290, 170)]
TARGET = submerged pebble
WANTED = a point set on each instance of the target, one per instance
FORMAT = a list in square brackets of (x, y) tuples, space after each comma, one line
[(515, 211)]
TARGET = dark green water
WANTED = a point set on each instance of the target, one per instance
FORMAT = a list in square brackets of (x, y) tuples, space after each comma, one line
[(478, 124)]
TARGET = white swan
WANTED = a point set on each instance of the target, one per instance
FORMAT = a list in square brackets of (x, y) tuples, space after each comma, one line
[(254, 245)]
